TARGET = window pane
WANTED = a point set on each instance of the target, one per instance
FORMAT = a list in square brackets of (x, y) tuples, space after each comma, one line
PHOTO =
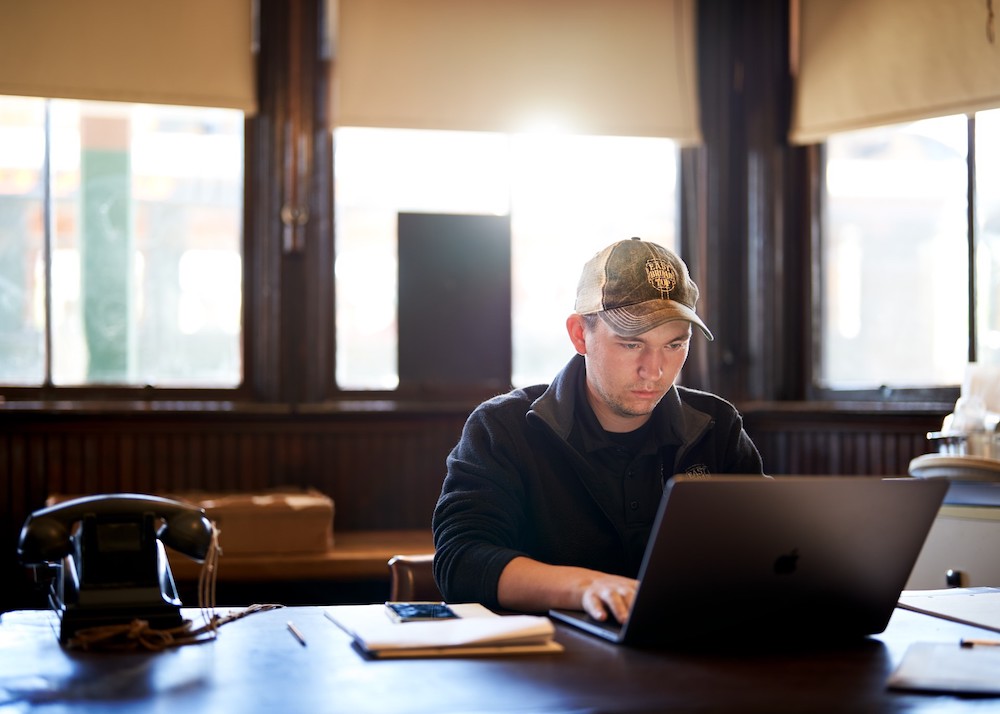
[(22, 160), (895, 257), (988, 236), (379, 173), (571, 197), (146, 215), (567, 196)]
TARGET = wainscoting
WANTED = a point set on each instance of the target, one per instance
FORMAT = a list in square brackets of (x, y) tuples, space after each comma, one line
[(841, 438), (382, 464)]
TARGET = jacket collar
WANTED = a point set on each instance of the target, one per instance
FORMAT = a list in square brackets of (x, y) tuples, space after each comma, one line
[(556, 405)]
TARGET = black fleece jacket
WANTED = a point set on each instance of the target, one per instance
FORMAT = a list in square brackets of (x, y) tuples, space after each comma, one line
[(514, 485)]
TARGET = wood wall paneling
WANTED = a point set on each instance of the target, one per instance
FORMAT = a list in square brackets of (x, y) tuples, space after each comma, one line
[(383, 471), (811, 438)]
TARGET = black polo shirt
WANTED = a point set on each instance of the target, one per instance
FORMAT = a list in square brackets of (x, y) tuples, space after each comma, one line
[(629, 471)]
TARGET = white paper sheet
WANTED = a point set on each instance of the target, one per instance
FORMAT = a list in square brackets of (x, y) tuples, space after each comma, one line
[(971, 606), (477, 629)]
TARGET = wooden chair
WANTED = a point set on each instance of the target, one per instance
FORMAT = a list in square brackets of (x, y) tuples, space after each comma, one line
[(412, 578)]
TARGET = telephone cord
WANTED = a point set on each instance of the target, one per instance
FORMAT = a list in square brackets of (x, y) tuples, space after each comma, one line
[(138, 633)]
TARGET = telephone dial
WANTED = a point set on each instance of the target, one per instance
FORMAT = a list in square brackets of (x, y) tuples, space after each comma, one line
[(105, 561)]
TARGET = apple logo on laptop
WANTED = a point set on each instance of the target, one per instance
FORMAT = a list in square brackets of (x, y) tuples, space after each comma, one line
[(785, 564)]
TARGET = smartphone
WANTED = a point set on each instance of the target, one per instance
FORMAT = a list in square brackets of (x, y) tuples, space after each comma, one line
[(418, 611)]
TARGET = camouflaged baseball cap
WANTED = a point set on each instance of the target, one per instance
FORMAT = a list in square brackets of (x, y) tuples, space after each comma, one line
[(635, 285)]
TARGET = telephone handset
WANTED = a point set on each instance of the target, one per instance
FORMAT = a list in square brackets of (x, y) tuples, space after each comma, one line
[(46, 536), (108, 557)]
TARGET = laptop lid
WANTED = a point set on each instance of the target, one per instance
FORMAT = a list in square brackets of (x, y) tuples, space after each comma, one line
[(786, 557)]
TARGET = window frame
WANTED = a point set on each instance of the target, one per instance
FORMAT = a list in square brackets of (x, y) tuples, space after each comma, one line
[(288, 173), (751, 222), (49, 392), (923, 395), (748, 230)]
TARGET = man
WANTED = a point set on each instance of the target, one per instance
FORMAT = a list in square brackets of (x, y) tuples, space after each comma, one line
[(552, 490)]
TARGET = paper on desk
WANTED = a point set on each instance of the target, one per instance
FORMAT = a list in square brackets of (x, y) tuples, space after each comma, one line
[(477, 630), (937, 667), (971, 606)]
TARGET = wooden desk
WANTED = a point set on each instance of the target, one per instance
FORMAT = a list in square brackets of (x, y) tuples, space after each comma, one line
[(356, 555), (256, 665)]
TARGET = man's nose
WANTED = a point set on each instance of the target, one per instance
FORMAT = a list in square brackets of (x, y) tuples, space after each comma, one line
[(651, 365)]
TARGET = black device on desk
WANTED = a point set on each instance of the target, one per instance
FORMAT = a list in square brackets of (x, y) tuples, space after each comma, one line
[(106, 561)]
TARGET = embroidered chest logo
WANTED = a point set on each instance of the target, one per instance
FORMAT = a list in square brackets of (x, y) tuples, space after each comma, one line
[(661, 275), (698, 470)]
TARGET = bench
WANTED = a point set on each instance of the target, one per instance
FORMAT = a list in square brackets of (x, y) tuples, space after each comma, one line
[(358, 558)]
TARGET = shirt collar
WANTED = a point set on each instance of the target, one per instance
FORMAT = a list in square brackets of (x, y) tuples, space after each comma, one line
[(588, 435)]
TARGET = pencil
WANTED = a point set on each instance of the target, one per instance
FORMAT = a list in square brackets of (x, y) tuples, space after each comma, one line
[(979, 643), (296, 634)]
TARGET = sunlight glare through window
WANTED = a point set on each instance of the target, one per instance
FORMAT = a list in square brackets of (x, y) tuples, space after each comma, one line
[(568, 196), (895, 256)]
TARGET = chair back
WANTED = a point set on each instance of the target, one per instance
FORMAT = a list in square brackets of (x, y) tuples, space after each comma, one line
[(412, 578)]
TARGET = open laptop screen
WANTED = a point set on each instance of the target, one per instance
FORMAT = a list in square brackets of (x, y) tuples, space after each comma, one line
[(788, 556)]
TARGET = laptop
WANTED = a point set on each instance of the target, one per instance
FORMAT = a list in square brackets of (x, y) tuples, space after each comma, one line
[(784, 558)]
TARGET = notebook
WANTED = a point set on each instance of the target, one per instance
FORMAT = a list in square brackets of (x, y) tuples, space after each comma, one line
[(783, 558)]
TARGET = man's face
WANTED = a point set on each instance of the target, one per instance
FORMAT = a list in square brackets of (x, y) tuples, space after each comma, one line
[(628, 376)]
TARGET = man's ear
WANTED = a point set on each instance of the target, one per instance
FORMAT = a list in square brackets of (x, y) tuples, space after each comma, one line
[(576, 330)]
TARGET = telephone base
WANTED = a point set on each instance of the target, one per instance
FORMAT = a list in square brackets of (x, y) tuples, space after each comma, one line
[(81, 605), (75, 620)]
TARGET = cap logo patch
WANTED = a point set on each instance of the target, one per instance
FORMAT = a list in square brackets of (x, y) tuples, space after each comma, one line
[(661, 275)]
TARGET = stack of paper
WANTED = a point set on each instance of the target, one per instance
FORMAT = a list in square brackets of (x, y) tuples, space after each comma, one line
[(948, 667), (978, 606), (951, 667), (477, 631)]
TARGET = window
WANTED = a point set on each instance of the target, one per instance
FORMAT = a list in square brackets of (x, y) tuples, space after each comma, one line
[(987, 267), (896, 260), (120, 244), (567, 197)]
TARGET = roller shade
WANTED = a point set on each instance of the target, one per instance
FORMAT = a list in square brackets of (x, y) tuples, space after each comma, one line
[(592, 66), (188, 52), (865, 63)]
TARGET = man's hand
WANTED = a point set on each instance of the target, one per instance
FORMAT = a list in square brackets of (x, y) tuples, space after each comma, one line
[(530, 586), (610, 595)]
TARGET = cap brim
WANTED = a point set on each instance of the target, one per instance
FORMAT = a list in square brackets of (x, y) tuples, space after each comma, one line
[(644, 316)]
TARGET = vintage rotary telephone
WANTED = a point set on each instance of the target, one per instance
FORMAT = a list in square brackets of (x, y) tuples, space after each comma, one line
[(112, 567)]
